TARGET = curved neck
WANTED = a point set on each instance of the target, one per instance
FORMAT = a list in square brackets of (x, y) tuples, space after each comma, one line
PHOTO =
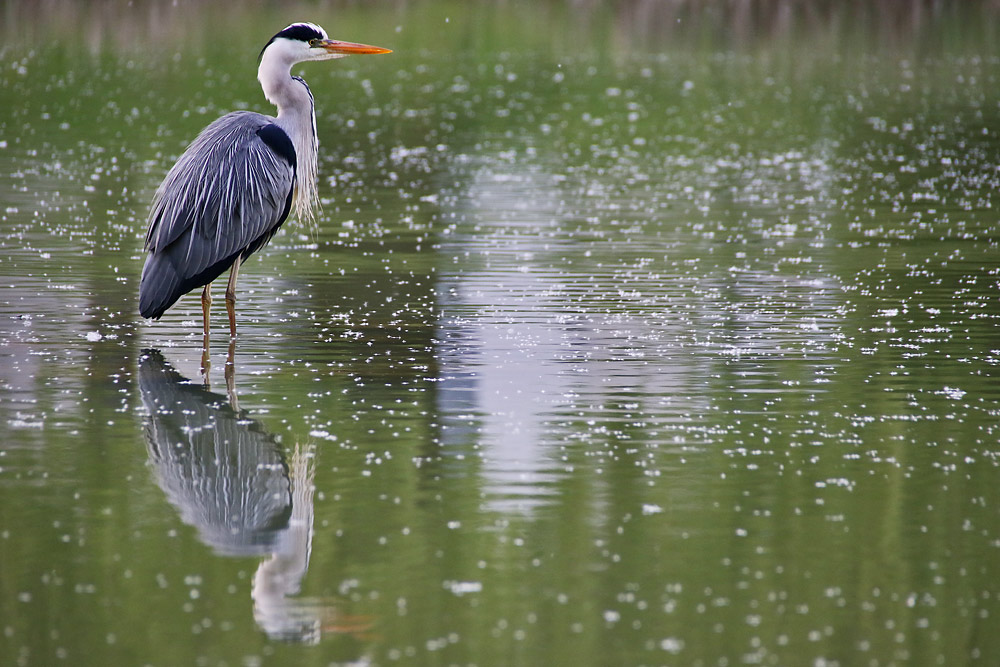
[(297, 117), (280, 88)]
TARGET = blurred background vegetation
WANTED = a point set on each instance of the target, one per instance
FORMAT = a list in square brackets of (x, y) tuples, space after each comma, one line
[(625, 24)]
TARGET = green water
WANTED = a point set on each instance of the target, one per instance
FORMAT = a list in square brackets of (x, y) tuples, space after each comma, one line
[(622, 339)]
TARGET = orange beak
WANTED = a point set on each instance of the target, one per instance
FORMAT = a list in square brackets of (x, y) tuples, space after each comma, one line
[(348, 48)]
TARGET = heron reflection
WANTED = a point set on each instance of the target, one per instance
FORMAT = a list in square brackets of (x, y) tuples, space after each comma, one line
[(228, 477)]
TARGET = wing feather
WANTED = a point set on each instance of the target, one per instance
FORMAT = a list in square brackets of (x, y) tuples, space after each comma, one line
[(225, 197)]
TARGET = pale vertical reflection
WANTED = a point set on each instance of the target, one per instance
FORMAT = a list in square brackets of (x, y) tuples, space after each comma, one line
[(497, 340), (556, 333), (526, 347)]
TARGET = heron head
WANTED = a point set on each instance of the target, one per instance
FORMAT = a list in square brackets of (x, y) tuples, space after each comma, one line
[(307, 41)]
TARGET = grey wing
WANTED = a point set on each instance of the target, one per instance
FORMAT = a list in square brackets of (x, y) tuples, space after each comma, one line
[(226, 197)]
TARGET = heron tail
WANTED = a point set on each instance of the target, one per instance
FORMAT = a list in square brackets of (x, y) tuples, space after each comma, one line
[(159, 287), (162, 282)]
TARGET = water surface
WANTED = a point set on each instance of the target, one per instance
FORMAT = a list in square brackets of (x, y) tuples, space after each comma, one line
[(614, 343)]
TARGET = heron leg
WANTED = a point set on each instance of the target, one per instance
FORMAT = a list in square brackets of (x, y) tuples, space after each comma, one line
[(231, 297), (206, 305)]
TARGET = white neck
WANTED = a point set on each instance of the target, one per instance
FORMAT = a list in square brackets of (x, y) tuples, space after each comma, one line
[(297, 118)]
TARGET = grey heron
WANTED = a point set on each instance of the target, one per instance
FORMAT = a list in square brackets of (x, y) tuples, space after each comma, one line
[(233, 187)]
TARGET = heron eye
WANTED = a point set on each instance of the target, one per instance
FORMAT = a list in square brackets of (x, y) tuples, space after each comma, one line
[(314, 42)]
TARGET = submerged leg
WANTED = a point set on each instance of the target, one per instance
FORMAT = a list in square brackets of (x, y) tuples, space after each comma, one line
[(206, 359), (231, 297), (230, 375), (206, 304)]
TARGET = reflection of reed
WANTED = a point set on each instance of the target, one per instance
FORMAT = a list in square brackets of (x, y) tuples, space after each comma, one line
[(227, 477)]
